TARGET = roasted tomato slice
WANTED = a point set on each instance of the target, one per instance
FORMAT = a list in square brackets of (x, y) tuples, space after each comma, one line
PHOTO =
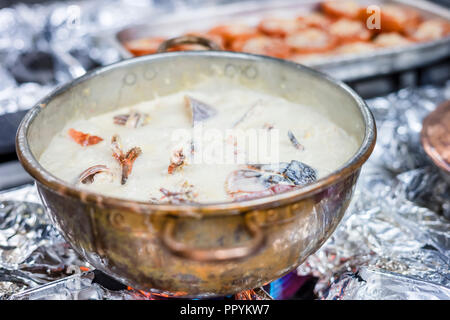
[(355, 48), (279, 27), (346, 31), (391, 39), (431, 30), (315, 20), (311, 40), (265, 46), (141, 47), (84, 139), (341, 9), (395, 18), (233, 32)]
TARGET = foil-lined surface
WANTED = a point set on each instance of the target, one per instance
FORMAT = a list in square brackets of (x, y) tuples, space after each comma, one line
[(394, 241), (396, 233)]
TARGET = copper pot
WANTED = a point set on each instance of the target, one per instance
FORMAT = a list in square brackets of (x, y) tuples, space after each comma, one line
[(205, 249)]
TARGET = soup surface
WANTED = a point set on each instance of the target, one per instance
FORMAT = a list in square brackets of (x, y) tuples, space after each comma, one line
[(201, 145)]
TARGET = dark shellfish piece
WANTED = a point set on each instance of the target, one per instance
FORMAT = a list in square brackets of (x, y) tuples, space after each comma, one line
[(87, 176), (296, 172), (176, 161), (116, 147), (248, 180), (279, 188), (246, 115), (294, 141), (200, 111), (134, 119), (261, 180), (185, 195)]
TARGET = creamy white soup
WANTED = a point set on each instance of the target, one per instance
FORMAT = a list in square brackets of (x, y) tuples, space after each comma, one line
[(200, 146)]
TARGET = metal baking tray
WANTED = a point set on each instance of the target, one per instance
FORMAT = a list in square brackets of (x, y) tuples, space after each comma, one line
[(348, 67)]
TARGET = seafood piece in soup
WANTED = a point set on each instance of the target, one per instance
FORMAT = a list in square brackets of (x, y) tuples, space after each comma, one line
[(268, 179)]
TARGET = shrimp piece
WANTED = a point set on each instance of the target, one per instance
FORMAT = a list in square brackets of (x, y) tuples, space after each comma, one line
[(87, 176), (177, 161), (126, 160), (84, 139), (185, 194), (133, 119)]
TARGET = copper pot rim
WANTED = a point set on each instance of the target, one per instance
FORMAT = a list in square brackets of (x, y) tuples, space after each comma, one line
[(46, 179)]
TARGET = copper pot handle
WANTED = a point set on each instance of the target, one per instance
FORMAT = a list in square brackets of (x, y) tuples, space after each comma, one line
[(180, 249), (169, 43)]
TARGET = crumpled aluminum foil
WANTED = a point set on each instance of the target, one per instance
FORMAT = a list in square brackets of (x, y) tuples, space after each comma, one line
[(63, 35), (388, 246), (71, 37), (396, 233), (32, 252), (370, 283)]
